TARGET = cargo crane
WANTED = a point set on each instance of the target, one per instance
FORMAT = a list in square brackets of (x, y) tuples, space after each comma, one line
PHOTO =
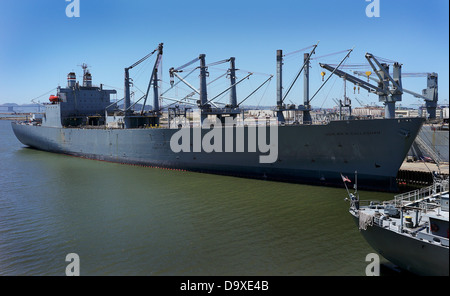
[(131, 120), (206, 105), (388, 95), (203, 103), (346, 103), (306, 107), (430, 94)]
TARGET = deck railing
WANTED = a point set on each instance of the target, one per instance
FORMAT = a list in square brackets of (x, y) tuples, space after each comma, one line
[(419, 195)]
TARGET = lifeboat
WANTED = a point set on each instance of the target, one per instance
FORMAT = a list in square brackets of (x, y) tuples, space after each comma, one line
[(54, 99)]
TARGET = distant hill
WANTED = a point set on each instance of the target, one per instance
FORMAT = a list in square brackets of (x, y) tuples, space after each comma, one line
[(9, 105), (17, 105)]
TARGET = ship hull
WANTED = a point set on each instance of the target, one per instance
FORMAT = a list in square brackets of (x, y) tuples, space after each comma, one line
[(312, 154), (407, 253), (436, 140)]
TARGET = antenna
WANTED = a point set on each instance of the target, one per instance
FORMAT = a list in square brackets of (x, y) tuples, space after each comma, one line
[(84, 66)]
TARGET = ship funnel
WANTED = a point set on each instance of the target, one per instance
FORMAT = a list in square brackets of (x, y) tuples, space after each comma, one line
[(87, 79), (71, 79)]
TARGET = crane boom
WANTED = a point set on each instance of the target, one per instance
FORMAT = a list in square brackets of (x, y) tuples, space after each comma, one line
[(305, 64), (389, 96), (396, 84), (127, 94), (429, 95), (154, 81), (367, 86), (404, 90)]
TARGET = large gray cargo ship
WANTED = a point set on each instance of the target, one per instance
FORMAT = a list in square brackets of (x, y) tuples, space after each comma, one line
[(81, 120)]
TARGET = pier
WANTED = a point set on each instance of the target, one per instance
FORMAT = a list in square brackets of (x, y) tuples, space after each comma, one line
[(14, 116), (420, 173)]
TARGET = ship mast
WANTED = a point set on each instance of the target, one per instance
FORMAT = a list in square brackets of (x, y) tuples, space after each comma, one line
[(205, 104), (306, 107), (127, 96)]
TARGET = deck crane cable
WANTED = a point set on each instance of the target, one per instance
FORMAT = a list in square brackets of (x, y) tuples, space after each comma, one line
[(259, 73), (173, 72), (192, 70), (32, 100), (352, 66), (240, 70), (344, 65), (217, 78), (218, 63), (179, 81), (330, 54), (177, 102), (132, 105), (297, 51), (143, 59), (155, 68), (181, 101), (139, 71), (186, 97), (179, 69), (184, 89), (346, 56), (185, 65), (227, 89), (264, 93), (300, 71), (139, 89), (268, 79), (385, 60), (317, 66), (160, 74), (328, 94)]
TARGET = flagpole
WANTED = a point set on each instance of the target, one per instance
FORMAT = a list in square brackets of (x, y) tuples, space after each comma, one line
[(347, 189), (348, 192)]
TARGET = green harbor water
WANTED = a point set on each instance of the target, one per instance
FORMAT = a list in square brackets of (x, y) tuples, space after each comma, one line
[(131, 220)]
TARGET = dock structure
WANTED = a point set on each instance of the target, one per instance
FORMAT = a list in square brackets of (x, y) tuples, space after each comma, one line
[(420, 173)]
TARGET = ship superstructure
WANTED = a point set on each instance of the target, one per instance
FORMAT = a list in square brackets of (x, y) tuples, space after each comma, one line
[(77, 105)]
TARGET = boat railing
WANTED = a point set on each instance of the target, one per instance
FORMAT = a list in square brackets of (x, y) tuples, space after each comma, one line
[(373, 204), (419, 195)]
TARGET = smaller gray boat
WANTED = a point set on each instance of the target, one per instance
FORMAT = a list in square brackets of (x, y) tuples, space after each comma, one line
[(411, 231)]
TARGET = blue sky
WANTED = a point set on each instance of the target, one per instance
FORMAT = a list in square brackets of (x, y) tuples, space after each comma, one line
[(39, 44)]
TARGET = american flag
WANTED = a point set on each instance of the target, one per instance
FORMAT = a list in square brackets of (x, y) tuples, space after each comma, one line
[(345, 179)]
